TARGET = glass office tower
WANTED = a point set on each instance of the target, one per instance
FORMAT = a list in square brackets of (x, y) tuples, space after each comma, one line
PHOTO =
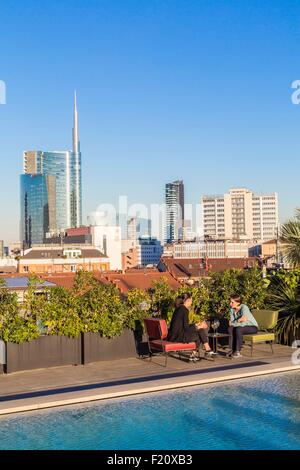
[(38, 214), (58, 164), (65, 167)]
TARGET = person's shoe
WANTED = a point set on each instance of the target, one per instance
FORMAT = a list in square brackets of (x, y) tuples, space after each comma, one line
[(194, 357), (236, 355), (209, 354)]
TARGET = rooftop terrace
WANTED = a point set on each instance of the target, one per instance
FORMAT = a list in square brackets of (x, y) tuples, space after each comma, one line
[(59, 386)]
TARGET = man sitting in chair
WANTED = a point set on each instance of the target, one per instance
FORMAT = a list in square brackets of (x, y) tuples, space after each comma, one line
[(242, 322)]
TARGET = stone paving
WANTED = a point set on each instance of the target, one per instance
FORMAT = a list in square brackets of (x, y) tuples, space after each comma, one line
[(55, 386)]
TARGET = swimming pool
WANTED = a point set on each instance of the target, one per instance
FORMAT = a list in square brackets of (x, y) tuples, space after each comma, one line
[(260, 413)]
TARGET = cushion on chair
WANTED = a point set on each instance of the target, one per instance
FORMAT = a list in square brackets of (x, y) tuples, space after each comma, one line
[(169, 346), (261, 336), (156, 328), (266, 319)]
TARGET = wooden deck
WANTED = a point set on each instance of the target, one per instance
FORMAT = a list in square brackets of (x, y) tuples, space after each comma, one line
[(58, 386)]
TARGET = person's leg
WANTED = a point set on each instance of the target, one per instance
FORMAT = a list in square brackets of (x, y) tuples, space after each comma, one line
[(191, 335), (233, 337), (243, 330), (230, 332), (239, 338), (202, 333)]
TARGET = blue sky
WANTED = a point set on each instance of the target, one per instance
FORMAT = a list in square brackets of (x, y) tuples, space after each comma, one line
[(197, 90)]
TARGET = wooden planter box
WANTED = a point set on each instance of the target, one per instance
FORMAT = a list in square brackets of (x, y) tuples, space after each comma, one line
[(96, 348), (2, 356), (45, 351), (50, 351)]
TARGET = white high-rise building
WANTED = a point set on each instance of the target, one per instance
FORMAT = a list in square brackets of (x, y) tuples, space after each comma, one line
[(241, 214), (174, 197)]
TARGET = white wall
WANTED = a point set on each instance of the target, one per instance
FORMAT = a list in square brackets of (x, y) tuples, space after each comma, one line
[(8, 262), (111, 237)]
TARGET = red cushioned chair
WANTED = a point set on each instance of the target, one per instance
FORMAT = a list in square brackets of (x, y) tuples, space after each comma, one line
[(157, 332)]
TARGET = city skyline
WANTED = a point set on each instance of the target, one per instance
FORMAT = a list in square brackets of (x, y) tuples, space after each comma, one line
[(50, 193), (207, 103)]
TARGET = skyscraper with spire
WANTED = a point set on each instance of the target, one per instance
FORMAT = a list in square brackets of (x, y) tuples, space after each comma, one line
[(75, 187), (58, 205)]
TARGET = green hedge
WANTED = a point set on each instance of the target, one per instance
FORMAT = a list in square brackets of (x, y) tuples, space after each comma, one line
[(94, 307)]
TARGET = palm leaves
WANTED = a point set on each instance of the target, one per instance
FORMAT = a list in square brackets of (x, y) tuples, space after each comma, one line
[(290, 237), (284, 296)]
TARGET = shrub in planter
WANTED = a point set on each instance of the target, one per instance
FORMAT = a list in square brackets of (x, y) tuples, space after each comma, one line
[(162, 299), (60, 313), (221, 287), (102, 311), (201, 296), (253, 288), (83, 282), (15, 326), (249, 284), (138, 307)]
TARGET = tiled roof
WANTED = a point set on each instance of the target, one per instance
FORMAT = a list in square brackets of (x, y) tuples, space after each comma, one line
[(270, 242), (124, 282), (189, 268), (140, 280), (62, 280), (8, 269), (67, 279), (45, 253), (141, 270)]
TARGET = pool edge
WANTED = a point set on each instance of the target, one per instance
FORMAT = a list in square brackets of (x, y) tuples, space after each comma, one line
[(158, 387)]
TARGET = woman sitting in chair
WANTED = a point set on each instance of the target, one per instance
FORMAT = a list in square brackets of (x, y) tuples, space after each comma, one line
[(242, 322), (181, 331)]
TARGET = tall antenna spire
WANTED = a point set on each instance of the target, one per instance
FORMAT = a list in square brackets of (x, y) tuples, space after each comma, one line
[(76, 145)]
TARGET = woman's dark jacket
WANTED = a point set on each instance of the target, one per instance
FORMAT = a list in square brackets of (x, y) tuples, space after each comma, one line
[(179, 325)]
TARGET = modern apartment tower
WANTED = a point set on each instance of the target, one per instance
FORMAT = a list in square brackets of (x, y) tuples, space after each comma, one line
[(174, 197), (241, 214), (59, 205)]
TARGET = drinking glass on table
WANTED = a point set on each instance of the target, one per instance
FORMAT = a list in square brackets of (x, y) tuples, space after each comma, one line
[(215, 325)]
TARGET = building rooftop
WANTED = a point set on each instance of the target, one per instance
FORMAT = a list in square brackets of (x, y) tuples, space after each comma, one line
[(21, 282), (8, 269), (141, 280), (51, 252), (183, 268), (138, 279)]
